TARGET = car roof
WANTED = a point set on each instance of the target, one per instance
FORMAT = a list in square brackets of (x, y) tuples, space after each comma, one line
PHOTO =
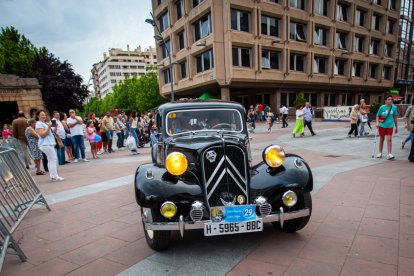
[(196, 104)]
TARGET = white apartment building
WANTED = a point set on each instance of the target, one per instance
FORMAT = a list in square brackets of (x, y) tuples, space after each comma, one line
[(119, 65)]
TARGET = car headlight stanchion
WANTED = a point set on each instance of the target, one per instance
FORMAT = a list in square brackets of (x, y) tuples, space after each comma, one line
[(176, 163), (274, 156)]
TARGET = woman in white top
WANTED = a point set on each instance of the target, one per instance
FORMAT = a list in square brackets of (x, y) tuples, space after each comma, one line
[(300, 123), (47, 144)]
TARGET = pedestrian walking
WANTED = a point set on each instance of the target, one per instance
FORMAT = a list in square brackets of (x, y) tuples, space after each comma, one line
[(307, 111), (409, 113), (299, 124), (354, 118), (47, 143), (385, 122), (270, 118), (19, 129), (284, 111), (363, 117), (251, 116), (75, 124)]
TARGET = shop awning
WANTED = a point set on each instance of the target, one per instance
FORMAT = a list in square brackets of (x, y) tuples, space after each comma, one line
[(396, 98)]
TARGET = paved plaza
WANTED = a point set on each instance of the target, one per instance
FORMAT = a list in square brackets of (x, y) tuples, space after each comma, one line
[(362, 219)]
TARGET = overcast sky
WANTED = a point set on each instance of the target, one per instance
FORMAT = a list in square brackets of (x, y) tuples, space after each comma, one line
[(80, 31)]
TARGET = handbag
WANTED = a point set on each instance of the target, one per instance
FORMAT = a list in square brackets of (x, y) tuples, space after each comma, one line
[(364, 118), (59, 143)]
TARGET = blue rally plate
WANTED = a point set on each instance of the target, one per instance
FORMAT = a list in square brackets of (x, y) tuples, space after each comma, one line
[(238, 213)]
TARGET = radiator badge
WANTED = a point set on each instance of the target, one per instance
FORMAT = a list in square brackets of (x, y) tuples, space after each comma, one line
[(211, 156)]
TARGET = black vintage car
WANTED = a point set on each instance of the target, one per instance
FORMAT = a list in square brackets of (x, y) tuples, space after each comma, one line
[(201, 177)]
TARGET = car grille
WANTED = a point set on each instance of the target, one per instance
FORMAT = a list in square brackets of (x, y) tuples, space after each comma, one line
[(225, 175)]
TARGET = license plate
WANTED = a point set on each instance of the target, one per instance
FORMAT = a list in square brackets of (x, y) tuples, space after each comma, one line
[(225, 228)]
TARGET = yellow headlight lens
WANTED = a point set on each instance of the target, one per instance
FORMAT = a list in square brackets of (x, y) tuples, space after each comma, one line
[(176, 163), (274, 156), (290, 198), (168, 209)]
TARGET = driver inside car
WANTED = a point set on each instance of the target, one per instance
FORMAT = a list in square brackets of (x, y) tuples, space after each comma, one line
[(213, 122), (176, 126)]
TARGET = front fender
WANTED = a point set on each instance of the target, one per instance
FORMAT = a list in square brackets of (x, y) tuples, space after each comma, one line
[(154, 185), (266, 181)]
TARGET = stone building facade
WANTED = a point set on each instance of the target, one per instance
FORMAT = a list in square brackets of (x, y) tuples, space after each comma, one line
[(18, 94)]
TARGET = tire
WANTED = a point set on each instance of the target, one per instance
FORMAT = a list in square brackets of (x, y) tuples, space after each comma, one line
[(294, 225), (157, 240)]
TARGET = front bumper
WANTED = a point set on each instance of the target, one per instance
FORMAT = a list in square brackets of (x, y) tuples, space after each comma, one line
[(182, 225)]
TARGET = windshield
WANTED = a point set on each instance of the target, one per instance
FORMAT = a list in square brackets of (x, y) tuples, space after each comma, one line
[(197, 120)]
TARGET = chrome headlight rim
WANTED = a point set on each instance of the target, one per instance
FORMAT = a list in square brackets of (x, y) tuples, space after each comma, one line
[(174, 153), (171, 203), (287, 194), (279, 150)]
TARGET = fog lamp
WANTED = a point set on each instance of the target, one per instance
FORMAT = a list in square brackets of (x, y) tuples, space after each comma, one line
[(274, 156), (176, 163), (168, 209), (290, 198)]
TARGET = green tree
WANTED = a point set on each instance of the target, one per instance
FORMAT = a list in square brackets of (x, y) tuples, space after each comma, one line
[(17, 53), (299, 100)]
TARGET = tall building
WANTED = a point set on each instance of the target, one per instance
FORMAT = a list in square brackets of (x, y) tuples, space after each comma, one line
[(333, 52), (119, 65)]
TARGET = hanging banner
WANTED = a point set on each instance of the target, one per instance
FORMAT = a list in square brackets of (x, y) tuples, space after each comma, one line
[(337, 113)]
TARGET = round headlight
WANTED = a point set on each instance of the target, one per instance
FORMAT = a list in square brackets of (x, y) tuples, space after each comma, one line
[(290, 198), (274, 156), (168, 209), (176, 163)]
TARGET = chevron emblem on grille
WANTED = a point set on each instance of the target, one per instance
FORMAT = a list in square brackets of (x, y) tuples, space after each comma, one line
[(231, 170)]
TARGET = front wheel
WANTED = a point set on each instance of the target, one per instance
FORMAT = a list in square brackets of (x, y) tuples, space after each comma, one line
[(297, 224), (157, 240)]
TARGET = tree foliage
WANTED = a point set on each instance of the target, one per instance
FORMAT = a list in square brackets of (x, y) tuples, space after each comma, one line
[(61, 90), (141, 94)]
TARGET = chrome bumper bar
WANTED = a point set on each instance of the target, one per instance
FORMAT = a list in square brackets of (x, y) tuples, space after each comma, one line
[(182, 225)]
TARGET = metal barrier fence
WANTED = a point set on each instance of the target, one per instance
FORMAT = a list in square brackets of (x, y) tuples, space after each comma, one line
[(18, 194), (14, 144)]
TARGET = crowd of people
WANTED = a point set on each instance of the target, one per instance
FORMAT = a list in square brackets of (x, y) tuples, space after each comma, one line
[(61, 139)]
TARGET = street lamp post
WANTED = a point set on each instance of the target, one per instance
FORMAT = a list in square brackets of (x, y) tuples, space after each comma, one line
[(161, 39)]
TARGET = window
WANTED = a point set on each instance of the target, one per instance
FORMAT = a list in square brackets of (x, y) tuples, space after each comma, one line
[(320, 65), (360, 17), (377, 2), (390, 27), (181, 40), (166, 73), (347, 99), (270, 59), (297, 31), (391, 5), (342, 12), (373, 70), (299, 4), (166, 48), (196, 3), (375, 24), (240, 20), (205, 61), (183, 69), (330, 99), (242, 57), (359, 44), (374, 47), (340, 40), (321, 7), (202, 27), (339, 67), (288, 98), (388, 50), (297, 62), (274, 1), (270, 26), (386, 73), (179, 6), (159, 2), (164, 22), (357, 69), (320, 36), (311, 98)]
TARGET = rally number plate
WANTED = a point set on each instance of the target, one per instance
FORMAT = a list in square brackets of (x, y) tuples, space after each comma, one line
[(225, 228)]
